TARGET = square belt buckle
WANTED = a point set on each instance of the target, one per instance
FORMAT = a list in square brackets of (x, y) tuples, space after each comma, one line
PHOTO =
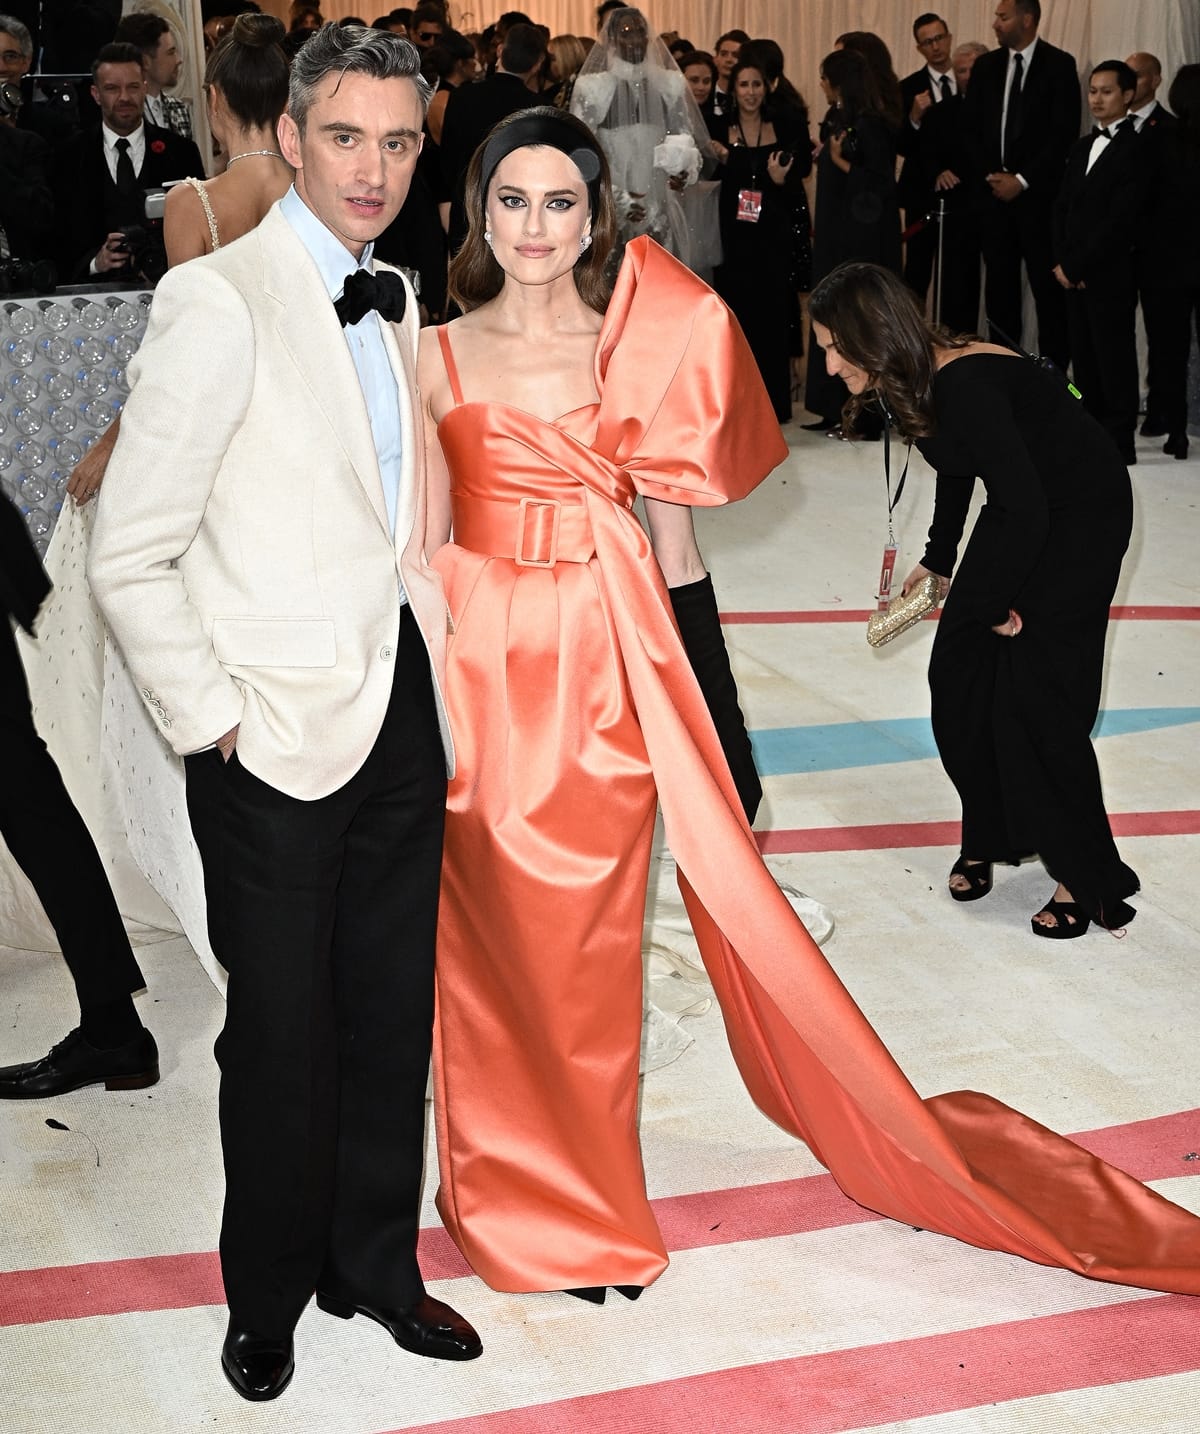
[(519, 556)]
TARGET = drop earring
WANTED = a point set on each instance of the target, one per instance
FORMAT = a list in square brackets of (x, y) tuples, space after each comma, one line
[(487, 237)]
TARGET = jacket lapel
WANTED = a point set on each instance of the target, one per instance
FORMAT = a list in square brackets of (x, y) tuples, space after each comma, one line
[(308, 328), (397, 342)]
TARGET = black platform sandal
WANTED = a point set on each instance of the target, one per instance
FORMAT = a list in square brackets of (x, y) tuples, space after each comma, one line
[(978, 875), (1070, 920)]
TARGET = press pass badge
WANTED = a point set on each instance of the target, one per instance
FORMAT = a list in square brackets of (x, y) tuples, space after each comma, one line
[(749, 205), (885, 574)]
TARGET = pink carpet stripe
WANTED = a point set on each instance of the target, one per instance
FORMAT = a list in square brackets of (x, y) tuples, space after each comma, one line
[(848, 614), (1154, 1149), (881, 1383), (886, 835)]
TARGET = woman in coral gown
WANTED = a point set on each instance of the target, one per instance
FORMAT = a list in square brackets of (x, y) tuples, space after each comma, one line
[(587, 677)]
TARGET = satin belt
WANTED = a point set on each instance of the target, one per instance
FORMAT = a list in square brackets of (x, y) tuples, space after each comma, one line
[(533, 532)]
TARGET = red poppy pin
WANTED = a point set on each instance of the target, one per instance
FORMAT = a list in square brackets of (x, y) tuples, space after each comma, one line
[(157, 146)]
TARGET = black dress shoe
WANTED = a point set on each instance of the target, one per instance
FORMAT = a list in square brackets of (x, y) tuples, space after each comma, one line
[(820, 426), (1177, 445), (258, 1368), (1153, 428), (74, 1062), (429, 1327)]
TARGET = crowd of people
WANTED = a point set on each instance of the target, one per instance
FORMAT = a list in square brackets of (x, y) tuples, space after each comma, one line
[(710, 151), (429, 675)]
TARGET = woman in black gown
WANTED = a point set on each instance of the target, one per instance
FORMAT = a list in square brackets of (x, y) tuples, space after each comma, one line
[(858, 216), (1017, 661), (762, 207)]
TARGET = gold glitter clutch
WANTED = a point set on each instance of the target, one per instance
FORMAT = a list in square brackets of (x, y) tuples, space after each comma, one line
[(903, 612)]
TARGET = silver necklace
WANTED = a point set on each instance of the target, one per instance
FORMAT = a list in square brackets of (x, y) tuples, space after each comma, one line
[(251, 153)]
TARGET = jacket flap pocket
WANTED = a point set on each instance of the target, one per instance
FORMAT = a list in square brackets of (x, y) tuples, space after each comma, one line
[(275, 641)]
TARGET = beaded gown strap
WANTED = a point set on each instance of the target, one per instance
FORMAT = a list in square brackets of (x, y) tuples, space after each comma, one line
[(443, 334), (198, 186)]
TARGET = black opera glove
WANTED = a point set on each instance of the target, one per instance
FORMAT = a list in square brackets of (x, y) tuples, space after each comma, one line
[(695, 608)]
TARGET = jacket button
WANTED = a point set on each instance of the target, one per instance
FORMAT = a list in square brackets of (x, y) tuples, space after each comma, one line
[(385, 653)]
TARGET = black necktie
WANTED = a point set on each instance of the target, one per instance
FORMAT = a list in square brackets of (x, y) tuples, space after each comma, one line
[(1012, 120), (127, 181), (944, 83), (365, 291)]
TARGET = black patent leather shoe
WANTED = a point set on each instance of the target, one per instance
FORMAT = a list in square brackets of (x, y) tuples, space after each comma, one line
[(258, 1368), (74, 1063), (429, 1327)]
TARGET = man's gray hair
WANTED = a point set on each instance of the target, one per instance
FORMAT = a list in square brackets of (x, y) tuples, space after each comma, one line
[(971, 47), (352, 49), (20, 33)]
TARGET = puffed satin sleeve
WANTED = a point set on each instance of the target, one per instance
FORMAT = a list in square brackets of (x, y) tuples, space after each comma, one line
[(683, 410)]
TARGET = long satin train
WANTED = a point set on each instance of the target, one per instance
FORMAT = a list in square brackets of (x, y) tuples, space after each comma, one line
[(962, 1164)]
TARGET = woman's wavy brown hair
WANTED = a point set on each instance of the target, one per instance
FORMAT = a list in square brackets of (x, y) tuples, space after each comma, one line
[(476, 277), (874, 319)]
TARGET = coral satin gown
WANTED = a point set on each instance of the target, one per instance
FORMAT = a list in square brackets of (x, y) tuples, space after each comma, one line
[(573, 708)]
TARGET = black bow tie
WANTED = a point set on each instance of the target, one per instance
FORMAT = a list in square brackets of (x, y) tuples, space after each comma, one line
[(365, 291), (1097, 131)]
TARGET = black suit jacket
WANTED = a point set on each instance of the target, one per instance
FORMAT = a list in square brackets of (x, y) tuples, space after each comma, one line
[(23, 580), (26, 198), (1159, 118), (85, 190), (918, 147), (1050, 118), (471, 111), (1097, 213)]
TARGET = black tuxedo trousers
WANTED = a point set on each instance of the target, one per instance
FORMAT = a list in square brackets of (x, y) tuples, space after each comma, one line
[(52, 846), (324, 914)]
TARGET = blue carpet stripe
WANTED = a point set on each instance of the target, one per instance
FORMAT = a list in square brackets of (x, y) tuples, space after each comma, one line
[(833, 746)]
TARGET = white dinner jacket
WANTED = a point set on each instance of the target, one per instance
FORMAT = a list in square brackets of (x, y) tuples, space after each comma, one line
[(241, 552)]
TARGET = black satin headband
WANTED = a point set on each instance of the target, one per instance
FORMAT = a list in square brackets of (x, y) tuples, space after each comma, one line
[(539, 127)]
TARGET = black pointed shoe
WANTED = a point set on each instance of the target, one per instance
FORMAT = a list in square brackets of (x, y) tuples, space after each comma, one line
[(429, 1327), (74, 1063), (257, 1367)]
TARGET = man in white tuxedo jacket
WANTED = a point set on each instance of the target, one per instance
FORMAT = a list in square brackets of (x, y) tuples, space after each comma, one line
[(259, 554)]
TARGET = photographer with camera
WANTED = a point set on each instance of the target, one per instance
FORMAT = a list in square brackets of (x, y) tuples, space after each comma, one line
[(104, 174), (858, 216), (26, 200)]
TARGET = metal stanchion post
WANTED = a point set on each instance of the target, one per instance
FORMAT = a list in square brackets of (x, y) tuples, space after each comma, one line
[(937, 273)]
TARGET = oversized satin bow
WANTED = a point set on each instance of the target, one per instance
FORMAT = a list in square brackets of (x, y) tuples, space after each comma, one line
[(365, 291)]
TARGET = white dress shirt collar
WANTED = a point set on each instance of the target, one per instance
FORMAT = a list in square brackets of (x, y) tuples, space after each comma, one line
[(935, 82), (137, 147), (1026, 56), (333, 260)]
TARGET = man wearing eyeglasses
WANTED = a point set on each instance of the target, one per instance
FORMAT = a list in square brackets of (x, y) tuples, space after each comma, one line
[(923, 92)]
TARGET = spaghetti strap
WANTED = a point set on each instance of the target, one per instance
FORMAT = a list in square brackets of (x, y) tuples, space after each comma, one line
[(202, 192), (443, 334)]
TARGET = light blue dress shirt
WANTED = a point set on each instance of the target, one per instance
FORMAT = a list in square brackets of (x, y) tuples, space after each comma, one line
[(364, 339)]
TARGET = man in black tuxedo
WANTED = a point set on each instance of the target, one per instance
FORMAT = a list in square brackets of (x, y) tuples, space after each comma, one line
[(26, 198), (104, 171), (472, 110), (1149, 118), (1023, 114), (54, 849), (283, 626), (1102, 199), (922, 93)]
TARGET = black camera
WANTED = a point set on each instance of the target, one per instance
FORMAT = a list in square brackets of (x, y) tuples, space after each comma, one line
[(26, 276), (835, 126), (143, 245)]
